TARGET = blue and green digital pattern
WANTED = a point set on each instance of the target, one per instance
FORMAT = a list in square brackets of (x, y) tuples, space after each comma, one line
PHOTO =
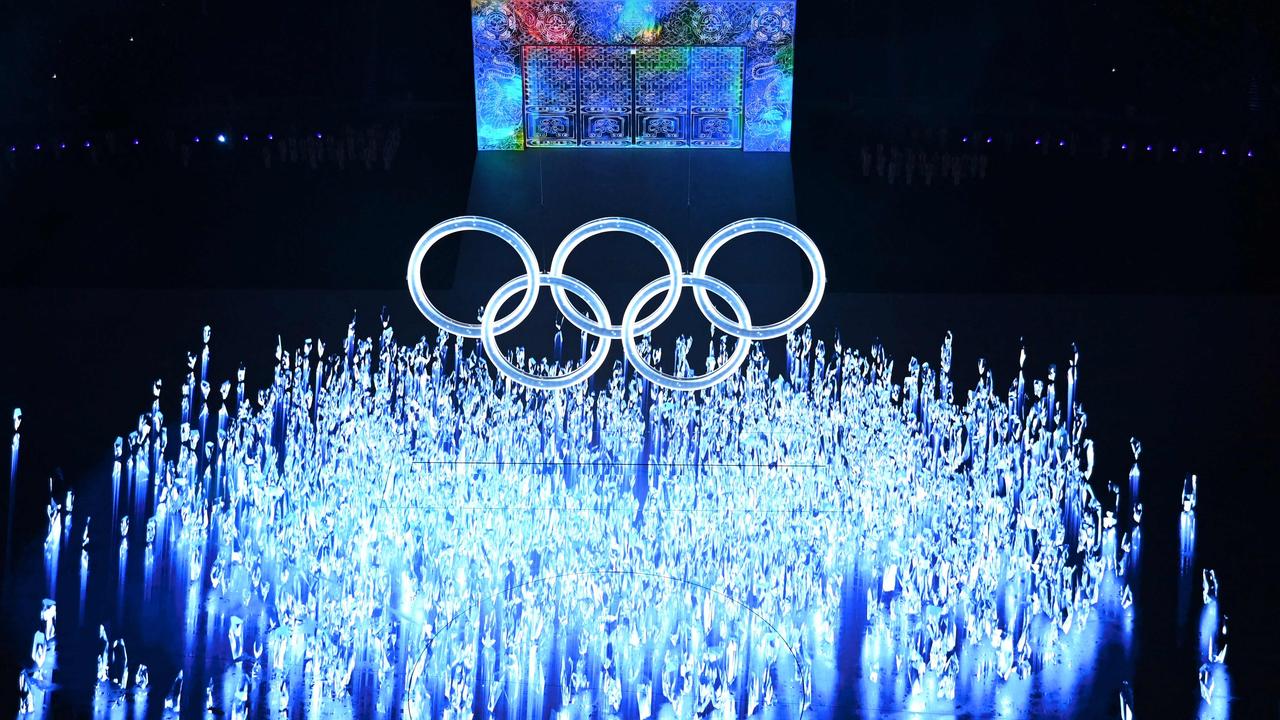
[(739, 96)]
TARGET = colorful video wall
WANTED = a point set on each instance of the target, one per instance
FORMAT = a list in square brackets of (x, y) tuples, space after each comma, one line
[(638, 73)]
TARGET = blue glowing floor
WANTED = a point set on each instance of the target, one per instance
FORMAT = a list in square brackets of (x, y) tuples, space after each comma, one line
[(382, 529)]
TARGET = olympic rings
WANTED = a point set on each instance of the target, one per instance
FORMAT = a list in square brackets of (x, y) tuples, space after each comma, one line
[(493, 227), (697, 382), (556, 382), (632, 326), (616, 224), (750, 225)]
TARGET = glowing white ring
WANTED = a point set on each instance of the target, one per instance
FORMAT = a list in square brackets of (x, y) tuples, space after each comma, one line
[(490, 334), (495, 228), (777, 227), (632, 227), (697, 382)]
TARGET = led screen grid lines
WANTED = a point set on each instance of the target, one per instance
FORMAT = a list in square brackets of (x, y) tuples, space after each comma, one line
[(671, 73)]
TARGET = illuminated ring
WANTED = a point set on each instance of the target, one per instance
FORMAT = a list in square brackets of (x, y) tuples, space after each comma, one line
[(745, 329), (489, 336), (698, 382), (633, 227), (497, 229)]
